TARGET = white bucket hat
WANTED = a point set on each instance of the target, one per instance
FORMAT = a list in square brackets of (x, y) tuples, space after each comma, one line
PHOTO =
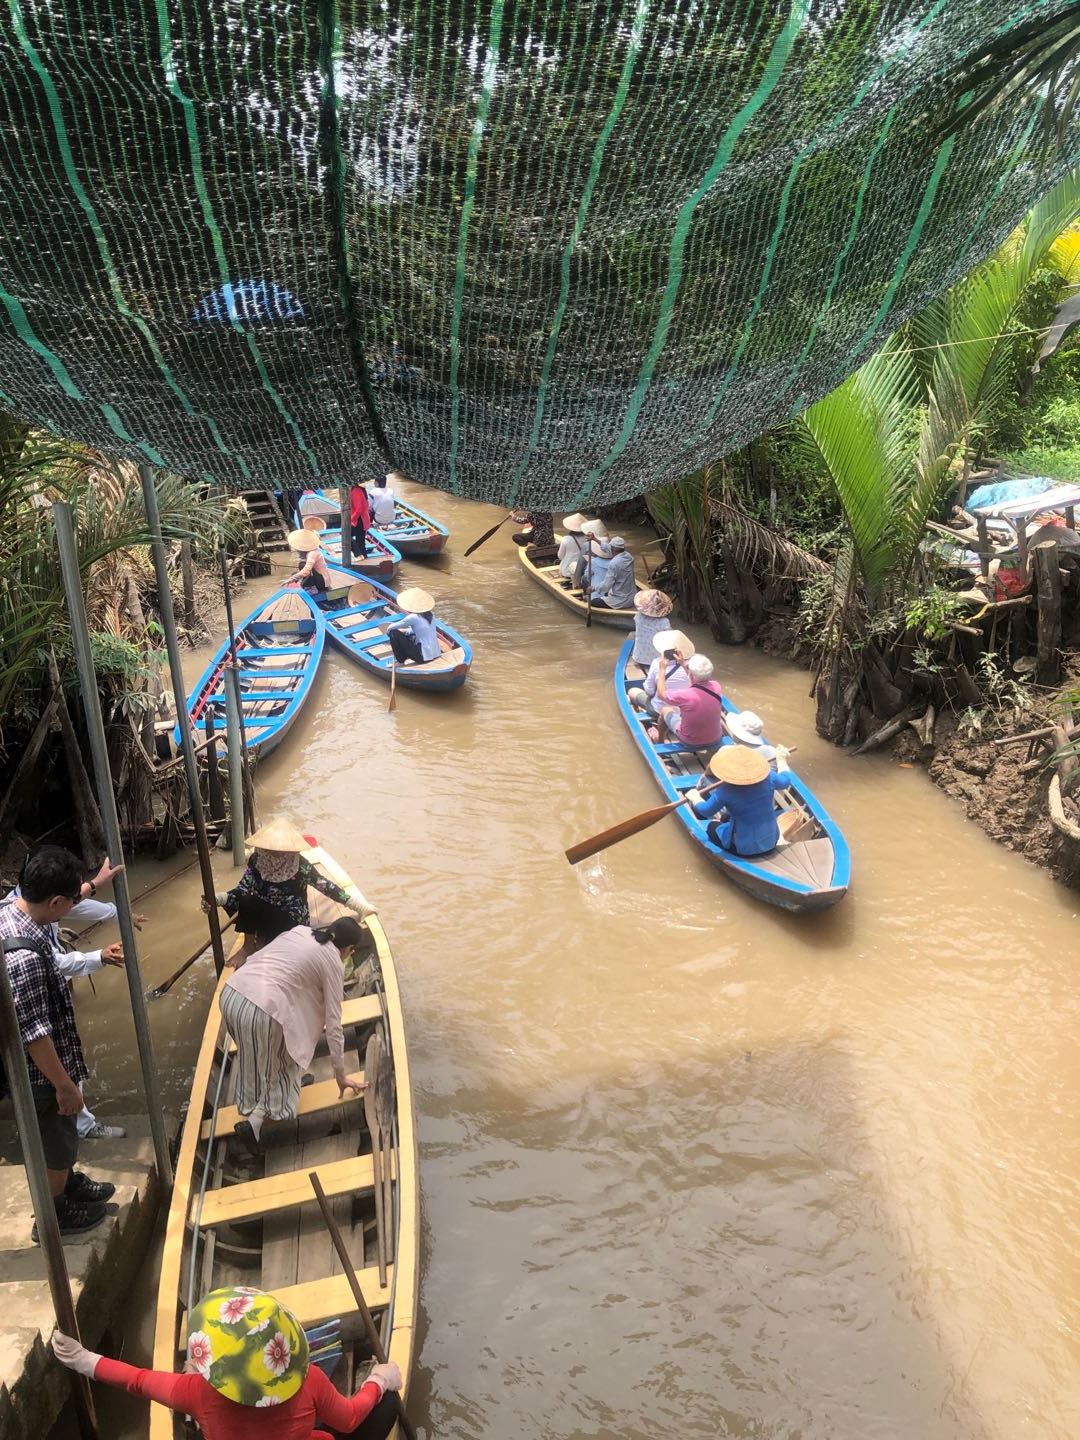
[(747, 727), (617, 542), (673, 640)]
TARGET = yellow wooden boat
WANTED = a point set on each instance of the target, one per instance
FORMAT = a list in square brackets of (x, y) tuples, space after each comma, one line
[(549, 577), (234, 1220)]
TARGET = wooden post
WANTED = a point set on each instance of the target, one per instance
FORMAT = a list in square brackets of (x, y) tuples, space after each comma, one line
[(1048, 581), (187, 573), (214, 794), (985, 551), (1022, 541), (1070, 516)]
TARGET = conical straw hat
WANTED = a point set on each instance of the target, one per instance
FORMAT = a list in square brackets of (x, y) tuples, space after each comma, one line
[(303, 541), (279, 834), (314, 522), (737, 765), (673, 640), (415, 601), (574, 522)]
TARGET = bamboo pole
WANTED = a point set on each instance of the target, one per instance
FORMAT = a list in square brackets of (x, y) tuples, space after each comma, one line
[(238, 756), (176, 671), (114, 845)]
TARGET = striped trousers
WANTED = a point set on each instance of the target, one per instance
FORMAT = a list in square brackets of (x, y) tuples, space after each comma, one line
[(268, 1078)]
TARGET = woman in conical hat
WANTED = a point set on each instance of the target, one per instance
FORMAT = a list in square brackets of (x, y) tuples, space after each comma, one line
[(653, 608), (313, 574), (571, 546), (271, 895), (414, 637), (743, 801), (249, 1376)]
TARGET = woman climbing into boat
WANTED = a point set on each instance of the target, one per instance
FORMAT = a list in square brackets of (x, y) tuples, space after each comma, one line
[(693, 714), (313, 575), (414, 637), (271, 895), (749, 824), (653, 607), (277, 1006), (249, 1376)]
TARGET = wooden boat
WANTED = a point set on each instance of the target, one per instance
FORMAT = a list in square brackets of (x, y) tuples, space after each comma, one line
[(549, 577), (809, 871), (279, 647), (382, 559), (240, 1221), (357, 611), (411, 532)]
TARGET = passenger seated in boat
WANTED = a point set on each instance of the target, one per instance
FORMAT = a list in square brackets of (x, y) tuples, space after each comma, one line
[(747, 728), (668, 644), (571, 546), (383, 502), (272, 894), (653, 607), (616, 588), (414, 637), (313, 575), (276, 1007), (693, 715), (744, 799), (537, 535), (249, 1376)]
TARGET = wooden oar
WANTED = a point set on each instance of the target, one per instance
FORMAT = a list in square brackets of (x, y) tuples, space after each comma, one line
[(372, 1062), (404, 1423), (626, 828), (164, 989), (393, 686), (384, 1109), (588, 589), (486, 536)]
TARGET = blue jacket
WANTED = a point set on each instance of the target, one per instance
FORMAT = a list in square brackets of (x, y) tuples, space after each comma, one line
[(751, 827)]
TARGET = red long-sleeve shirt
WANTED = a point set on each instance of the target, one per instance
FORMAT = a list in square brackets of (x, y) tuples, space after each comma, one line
[(360, 506), (221, 1419)]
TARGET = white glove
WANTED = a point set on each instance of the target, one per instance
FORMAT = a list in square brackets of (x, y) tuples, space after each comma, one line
[(387, 1377), (360, 907), (782, 752), (75, 1356), (694, 796)]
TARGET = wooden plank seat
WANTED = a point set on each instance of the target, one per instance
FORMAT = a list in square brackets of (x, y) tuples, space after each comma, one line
[(316, 1300), (323, 1095), (360, 1010), (351, 1176), (273, 651)]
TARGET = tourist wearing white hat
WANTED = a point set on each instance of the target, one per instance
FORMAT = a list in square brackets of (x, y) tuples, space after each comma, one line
[(694, 715), (668, 644), (272, 894), (592, 567), (414, 637), (572, 545), (748, 728), (313, 575), (617, 587)]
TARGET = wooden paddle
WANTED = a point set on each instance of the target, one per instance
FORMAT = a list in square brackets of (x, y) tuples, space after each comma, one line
[(588, 589), (164, 989), (372, 1062), (626, 828), (374, 1340), (486, 536), (393, 686), (384, 1110)]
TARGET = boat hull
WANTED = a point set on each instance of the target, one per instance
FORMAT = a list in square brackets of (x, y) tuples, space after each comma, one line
[(804, 877), (411, 532), (547, 576)]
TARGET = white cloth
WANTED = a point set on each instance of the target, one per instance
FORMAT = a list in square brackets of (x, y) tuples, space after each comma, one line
[(570, 552), (383, 504), (300, 984), (91, 912), (425, 632)]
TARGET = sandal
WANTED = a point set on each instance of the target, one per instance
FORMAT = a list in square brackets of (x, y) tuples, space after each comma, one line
[(653, 733)]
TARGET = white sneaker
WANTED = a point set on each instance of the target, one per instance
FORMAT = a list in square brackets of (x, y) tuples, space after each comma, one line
[(100, 1131)]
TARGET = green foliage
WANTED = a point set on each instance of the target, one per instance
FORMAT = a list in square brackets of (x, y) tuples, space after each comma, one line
[(930, 612)]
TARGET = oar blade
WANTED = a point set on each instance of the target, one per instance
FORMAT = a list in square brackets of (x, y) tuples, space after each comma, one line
[(622, 831), (486, 536)]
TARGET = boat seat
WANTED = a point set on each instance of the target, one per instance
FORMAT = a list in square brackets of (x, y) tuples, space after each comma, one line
[(316, 1300), (272, 652), (351, 1176), (263, 671), (360, 1010), (257, 697), (270, 628), (323, 1095)]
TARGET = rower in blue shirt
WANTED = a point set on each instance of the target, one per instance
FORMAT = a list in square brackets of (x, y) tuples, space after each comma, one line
[(745, 796), (414, 637)]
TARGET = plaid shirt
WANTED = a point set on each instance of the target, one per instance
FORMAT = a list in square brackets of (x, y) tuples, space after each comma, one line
[(42, 999)]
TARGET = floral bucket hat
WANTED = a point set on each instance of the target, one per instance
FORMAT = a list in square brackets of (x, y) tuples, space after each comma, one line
[(247, 1346)]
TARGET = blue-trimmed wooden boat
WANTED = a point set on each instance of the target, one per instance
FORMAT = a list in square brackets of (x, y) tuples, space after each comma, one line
[(551, 579), (357, 610), (382, 558), (279, 646), (411, 532), (811, 872)]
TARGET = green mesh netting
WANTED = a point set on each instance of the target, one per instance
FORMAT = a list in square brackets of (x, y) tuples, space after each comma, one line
[(552, 252)]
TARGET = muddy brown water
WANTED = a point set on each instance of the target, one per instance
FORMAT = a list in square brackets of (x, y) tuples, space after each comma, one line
[(689, 1166)]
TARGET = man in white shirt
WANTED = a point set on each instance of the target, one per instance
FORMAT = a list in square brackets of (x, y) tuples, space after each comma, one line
[(383, 502)]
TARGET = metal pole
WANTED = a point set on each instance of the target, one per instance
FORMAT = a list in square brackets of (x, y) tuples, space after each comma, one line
[(95, 725), (234, 726), (176, 671), (52, 1247)]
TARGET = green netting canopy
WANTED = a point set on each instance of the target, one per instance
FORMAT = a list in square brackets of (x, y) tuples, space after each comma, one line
[(546, 251)]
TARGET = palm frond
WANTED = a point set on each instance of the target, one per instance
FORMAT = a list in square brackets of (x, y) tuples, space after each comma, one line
[(758, 547)]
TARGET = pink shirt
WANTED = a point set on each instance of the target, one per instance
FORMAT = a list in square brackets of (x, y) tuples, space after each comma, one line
[(701, 715), (301, 985)]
